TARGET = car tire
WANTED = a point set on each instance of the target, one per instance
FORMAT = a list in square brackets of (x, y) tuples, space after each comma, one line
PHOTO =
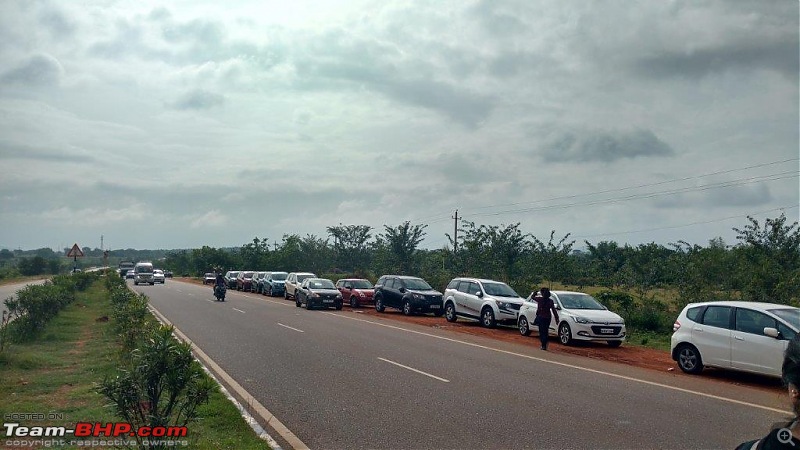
[(338, 305), (286, 295), (689, 359), (564, 334), (407, 309), (614, 344), (450, 312), (524, 327), (379, 306), (487, 318), (297, 303), (438, 313), (308, 304), (353, 302)]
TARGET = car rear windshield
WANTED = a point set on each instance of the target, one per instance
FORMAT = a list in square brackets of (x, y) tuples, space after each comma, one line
[(303, 277), (362, 284), (579, 301), (790, 315), (499, 290), (417, 284), (279, 276), (248, 274)]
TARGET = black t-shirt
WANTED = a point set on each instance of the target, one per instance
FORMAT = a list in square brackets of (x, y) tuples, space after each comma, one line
[(775, 440)]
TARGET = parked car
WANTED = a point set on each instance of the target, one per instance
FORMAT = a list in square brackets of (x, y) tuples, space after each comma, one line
[(488, 301), (357, 291), (274, 283), (230, 278), (168, 273), (244, 280), (258, 282), (158, 276), (209, 278), (318, 292), (129, 274), (581, 317), (293, 281), (409, 294), (743, 336)]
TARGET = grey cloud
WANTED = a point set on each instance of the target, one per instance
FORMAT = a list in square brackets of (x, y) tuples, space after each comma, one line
[(604, 146), (10, 150), (198, 99), (496, 20), (41, 69), (730, 196), (127, 42), (57, 23), (781, 56)]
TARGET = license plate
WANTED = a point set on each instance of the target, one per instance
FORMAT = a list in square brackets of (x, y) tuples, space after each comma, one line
[(606, 330), (327, 301), (434, 307)]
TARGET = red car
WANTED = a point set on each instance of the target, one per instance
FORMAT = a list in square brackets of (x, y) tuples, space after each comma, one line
[(244, 281), (356, 291)]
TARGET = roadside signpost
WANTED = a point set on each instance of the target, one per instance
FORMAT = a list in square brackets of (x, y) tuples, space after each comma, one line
[(75, 252)]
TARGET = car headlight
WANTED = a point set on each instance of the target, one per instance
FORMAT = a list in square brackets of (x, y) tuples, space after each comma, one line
[(338, 296), (417, 296), (579, 319)]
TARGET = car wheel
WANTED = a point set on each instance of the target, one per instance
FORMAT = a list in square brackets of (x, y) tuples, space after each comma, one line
[(286, 295), (407, 309), (308, 304), (614, 344), (689, 359), (524, 328), (264, 291), (379, 306), (487, 318), (450, 312), (353, 302), (338, 305), (438, 313), (297, 303), (564, 334)]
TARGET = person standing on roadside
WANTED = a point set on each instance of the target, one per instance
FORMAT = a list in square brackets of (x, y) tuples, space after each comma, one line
[(545, 306), (784, 435)]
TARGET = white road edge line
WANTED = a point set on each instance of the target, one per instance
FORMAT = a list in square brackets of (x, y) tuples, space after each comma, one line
[(239, 310), (248, 399), (414, 370), (572, 366), (291, 328)]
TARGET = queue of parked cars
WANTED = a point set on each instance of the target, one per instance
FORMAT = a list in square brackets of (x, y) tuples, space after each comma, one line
[(743, 336)]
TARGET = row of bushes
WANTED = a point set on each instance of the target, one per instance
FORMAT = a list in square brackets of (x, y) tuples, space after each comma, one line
[(158, 383), (35, 305), (650, 315)]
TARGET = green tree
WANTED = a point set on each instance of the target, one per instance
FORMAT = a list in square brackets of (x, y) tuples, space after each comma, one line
[(402, 241), (350, 243)]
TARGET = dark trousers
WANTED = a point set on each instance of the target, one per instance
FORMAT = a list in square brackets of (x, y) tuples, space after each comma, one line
[(544, 330)]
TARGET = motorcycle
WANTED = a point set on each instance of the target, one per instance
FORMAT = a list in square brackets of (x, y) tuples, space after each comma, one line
[(219, 292)]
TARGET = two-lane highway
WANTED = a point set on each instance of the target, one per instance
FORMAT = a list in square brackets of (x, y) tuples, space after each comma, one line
[(337, 379)]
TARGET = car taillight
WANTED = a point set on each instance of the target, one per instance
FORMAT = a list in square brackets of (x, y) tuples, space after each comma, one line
[(676, 326)]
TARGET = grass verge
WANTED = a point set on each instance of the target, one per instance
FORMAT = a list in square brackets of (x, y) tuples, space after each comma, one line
[(57, 375)]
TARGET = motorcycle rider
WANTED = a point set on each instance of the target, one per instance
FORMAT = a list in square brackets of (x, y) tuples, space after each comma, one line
[(219, 285)]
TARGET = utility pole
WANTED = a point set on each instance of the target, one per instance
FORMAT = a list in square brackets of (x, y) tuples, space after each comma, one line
[(455, 233)]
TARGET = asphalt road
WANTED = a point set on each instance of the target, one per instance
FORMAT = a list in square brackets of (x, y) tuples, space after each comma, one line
[(339, 380)]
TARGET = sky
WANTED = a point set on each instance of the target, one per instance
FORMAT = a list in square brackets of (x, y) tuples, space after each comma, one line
[(168, 125)]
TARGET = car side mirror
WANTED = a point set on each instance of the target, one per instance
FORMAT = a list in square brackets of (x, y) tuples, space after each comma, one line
[(479, 294), (772, 332)]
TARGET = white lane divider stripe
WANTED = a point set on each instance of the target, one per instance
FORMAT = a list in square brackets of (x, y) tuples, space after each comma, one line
[(239, 310), (291, 328), (414, 370)]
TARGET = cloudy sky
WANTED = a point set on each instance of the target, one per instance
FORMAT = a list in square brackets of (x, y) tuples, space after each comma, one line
[(211, 123)]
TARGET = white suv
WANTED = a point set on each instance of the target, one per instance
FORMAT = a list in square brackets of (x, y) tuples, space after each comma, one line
[(485, 300), (293, 281), (745, 336), (581, 317)]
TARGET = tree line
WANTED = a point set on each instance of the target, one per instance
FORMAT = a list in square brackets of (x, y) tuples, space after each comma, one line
[(762, 265)]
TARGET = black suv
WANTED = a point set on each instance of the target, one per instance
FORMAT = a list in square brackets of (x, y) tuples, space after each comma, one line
[(408, 294)]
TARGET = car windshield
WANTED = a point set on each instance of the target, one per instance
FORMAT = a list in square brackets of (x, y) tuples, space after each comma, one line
[(234, 274), (248, 275), (417, 284), (362, 284), (499, 290), (302, 277), (790, 315), (579, 301), (321, 284), (279, 276)]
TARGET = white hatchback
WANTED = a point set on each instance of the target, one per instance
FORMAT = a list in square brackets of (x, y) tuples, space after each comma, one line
[(581, 317), (745, 336)]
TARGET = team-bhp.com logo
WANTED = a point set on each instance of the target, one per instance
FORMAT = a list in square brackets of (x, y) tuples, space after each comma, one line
[(96, 429)]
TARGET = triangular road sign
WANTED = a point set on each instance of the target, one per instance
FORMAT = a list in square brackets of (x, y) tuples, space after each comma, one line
[(75, 252)]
